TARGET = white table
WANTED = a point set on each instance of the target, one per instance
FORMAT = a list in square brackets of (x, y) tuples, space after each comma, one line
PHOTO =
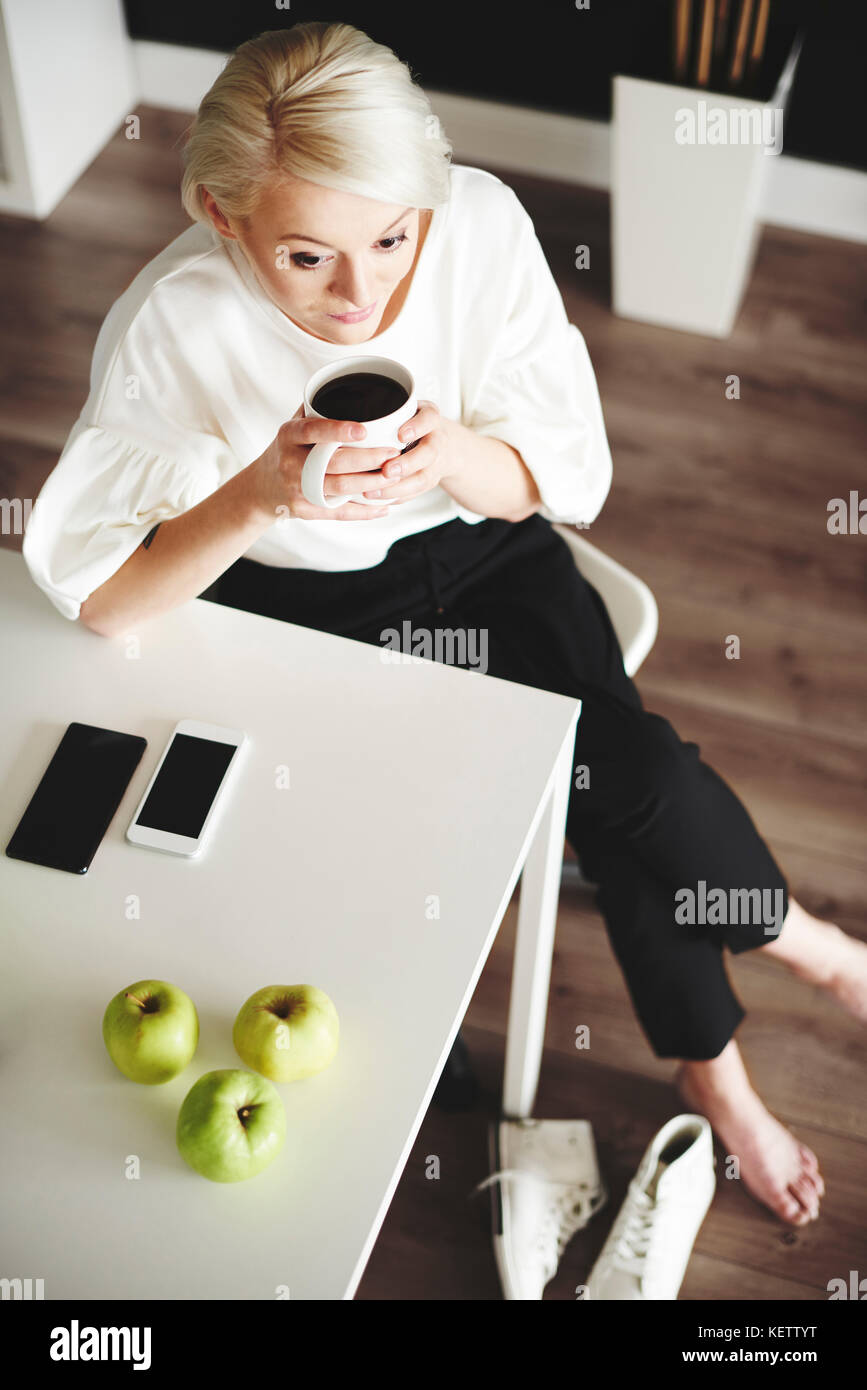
[(463, 783)]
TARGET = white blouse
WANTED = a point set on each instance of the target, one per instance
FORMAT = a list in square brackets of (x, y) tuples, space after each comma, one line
[(195, 368)]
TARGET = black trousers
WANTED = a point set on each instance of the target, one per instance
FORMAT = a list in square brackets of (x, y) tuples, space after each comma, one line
[(647, 817)]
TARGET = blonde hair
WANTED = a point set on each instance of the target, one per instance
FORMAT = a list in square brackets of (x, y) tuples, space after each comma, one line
[(321, 102)]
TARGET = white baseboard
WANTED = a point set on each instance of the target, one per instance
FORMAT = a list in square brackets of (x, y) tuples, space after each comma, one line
[(820, 198)]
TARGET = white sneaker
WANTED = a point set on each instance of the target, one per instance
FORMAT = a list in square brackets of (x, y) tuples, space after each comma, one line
[(648, 1248), (545, 1185)]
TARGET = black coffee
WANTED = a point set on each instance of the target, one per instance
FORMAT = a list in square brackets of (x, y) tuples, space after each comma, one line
[(360, 396)]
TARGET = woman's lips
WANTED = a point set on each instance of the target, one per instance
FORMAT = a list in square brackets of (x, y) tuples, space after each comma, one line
[(358, 317)]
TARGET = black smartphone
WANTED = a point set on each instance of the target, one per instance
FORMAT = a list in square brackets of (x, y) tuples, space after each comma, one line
[(74, 803)]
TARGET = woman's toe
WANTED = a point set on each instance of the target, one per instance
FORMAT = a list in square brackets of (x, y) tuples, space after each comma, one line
[(816, 1182), (811, 1168), (805, 1192), (789, 1208)]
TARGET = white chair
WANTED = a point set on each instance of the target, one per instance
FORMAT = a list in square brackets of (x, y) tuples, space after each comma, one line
[(631, 605), (634, 616)]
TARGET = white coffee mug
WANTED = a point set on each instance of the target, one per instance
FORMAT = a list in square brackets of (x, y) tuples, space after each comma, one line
[(379, 432)]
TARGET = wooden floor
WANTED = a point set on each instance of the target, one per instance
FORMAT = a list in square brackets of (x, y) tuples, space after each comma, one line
[(721, 506)]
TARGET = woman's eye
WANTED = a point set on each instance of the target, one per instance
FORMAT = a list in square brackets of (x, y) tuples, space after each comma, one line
[(395, 241), (305, 260)]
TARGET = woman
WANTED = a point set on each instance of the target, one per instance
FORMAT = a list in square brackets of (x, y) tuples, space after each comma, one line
[(327, 216)]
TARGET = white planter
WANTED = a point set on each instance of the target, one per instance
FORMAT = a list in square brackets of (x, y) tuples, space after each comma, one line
[(66, 83), (684, 216)]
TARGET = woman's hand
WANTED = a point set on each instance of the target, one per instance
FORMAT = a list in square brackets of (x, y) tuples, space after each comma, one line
[(429, 459), (484, 475), (277, 472)]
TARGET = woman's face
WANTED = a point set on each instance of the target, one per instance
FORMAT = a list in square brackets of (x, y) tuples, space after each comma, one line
[(330, 260)]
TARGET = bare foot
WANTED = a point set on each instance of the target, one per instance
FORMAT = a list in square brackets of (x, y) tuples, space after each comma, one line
[(775, 1167), (820, 953)]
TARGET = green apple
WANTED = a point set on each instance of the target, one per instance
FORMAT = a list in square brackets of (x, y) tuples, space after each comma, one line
[(287, 1032), (231, 1125), (151, 1030)]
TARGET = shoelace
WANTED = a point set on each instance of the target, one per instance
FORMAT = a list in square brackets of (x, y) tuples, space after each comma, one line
[(567, 1213), (633, 1234)]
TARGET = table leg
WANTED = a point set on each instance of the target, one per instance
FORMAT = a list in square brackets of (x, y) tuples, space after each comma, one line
[(534, 946)]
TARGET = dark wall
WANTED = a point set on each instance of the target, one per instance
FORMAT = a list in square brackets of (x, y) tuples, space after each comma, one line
[(551, 56)]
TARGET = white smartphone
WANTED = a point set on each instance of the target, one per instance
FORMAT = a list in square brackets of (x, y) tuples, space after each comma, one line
[(182, 798)]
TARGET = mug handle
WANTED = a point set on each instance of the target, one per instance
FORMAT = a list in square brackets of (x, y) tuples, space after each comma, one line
[(313, 476), (313, 479)]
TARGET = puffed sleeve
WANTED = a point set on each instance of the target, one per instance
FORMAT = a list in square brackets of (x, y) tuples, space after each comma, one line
[(100, 501), (538, 390)]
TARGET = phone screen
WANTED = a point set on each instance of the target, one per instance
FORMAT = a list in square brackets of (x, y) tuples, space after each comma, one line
[(186, 784), (74, 803)]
